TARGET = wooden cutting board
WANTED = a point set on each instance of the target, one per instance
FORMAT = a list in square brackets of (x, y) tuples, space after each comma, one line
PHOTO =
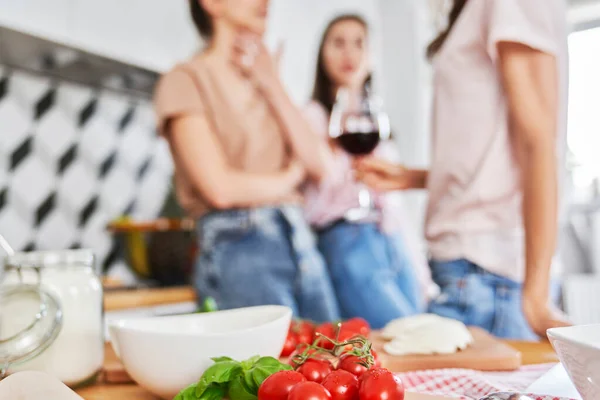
[(485, 354)]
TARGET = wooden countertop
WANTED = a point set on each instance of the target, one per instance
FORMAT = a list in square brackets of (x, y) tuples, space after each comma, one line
[(133, 298), (532, 353)]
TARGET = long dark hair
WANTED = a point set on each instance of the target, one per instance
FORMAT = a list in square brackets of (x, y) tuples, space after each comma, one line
[(202, 20), (323, 89), (435, 46)]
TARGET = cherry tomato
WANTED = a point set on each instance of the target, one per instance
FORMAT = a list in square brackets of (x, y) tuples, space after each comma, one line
[(342, 385), (291, 341), (346, 333), (358, 325), (279, 385), (308, 391), (328, 330), (381, 384), (305, 337), (305, 331), (369, 372), (315, 370), (352, 364)]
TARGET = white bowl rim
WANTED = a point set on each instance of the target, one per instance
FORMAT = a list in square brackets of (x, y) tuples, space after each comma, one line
[(121, 324), (561, 334)]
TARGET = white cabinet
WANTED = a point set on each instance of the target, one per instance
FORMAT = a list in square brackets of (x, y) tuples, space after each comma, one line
[(153, 34), (48, 18), (150, 33)]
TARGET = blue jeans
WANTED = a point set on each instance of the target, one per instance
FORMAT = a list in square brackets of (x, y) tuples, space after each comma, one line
[(371, 272), (479, 298), (263, 256)]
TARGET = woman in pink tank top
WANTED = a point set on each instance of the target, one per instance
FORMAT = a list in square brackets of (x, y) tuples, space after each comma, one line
[(499, 121), (375, 268)]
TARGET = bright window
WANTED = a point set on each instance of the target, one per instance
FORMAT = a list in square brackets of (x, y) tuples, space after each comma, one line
[(584, 106)]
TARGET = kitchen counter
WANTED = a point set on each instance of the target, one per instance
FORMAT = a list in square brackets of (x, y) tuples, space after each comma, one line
[(533, 353), (115, 300)]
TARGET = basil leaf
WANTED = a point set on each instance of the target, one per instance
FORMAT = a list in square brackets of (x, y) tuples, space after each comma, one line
[(238, 390), (189, 393), (249, 363), (221, 372), (214, 392), (222, 359), (262, 369)]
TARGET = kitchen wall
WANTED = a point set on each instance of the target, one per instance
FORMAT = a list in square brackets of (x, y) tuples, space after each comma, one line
[(71, 160)]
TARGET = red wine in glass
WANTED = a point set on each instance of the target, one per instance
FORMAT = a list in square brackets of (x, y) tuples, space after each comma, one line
[(358, 143), (357, 124)]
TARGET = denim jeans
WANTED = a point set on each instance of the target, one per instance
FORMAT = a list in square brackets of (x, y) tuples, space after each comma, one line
[(263, 256), (479, 298), (372, 274)]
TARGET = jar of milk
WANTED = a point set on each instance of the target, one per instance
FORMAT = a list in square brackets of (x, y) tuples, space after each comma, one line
[(51, 315)]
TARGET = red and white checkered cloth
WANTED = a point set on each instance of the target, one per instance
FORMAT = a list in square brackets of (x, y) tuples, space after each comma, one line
[(469, 384)]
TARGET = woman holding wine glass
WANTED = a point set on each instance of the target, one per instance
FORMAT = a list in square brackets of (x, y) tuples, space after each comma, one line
[(499, 122), (241, 153), (373, 266)]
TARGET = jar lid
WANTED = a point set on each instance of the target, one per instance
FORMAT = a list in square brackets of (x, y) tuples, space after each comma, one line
[(33, 259), (30, 321)]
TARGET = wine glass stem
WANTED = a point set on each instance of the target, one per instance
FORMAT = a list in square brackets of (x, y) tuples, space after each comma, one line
[(365, 199)]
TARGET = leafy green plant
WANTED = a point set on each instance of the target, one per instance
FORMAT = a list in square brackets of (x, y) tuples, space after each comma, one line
[(238, 380)]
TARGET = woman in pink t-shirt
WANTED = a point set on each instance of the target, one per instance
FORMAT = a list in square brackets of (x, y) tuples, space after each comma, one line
[(374, 266), (499, 117)]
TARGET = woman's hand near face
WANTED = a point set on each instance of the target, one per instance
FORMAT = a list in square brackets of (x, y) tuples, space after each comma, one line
[(253, 59), (385, 176)]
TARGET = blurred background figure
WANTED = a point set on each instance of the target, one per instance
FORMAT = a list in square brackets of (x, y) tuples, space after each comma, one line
[(374, 268), (499, 122), (241, 149), (81, 165)]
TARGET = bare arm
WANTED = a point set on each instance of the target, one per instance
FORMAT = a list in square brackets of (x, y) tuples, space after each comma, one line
[(314, 153), (385, 176), (199, 155), (530, 80)]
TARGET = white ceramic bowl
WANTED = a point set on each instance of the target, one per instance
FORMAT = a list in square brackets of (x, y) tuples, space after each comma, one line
[(578, 348), (166, 354)]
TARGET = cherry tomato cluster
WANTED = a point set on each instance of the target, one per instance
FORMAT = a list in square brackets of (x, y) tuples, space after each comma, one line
[(302, 333), (344, 368)]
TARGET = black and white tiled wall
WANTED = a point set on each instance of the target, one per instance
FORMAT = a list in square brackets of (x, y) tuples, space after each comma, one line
[(71, 160)]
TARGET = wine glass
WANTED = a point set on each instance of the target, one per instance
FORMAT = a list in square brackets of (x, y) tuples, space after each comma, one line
[(357, 124)]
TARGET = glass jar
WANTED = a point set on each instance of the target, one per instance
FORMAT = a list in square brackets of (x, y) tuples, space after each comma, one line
[(52, 315)]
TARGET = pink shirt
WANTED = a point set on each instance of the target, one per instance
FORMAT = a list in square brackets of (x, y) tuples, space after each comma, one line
[(474, 209), (338, 192), (329, 200)]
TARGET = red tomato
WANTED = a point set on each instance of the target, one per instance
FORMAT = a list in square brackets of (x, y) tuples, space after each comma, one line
[(291, 341), (342, 385), (305, 331), (299, 350), (346, 333), (328, 330), (358, 325), (305, 337), (381, 384), (369, 372), (315, 370), (352, 364), (279, 385), (308, 391)]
